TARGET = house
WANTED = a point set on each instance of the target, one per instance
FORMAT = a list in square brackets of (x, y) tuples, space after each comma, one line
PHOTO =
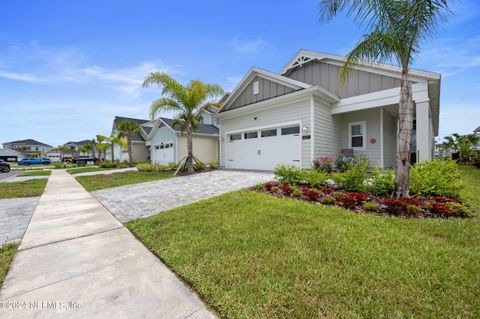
[(30, 147), (74, 147), (305, 112), (10, 155), (168, 144), (477, 133), (140, 151)]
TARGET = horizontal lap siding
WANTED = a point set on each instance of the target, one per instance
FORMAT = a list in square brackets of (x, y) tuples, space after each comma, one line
[(286, 113), (372, 117), (327, 131), (389, 139), (140, 152)]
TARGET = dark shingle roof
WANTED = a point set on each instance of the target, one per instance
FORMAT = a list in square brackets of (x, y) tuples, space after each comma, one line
[(79, 143), (135, 137), (147, 129), (28, 141), (203, 129)]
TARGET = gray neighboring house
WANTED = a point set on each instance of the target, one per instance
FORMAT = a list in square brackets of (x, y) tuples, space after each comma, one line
[(10, 155), (140, 151), (29, 147), (74, 146), (305, 112)]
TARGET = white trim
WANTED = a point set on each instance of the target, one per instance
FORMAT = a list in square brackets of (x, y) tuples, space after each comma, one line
[(294, 84), (364, 136), (372, 67), (312, 129), (381, 138)]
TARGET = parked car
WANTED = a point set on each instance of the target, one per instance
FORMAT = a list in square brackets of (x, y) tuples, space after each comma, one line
[(4, 167), (84, 159), (34, 161)]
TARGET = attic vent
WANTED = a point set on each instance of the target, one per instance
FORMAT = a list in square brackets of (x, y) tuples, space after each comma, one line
[(256, 88)]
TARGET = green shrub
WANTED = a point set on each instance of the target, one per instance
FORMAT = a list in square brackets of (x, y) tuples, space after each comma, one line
[(328, 200), (371, 207), (159, 168), (145, 167), (437, 177), (381, 182), (199, 166), (60, 165), (289, 174), (296, 191), (260, 187), (108, 164), (353, 179), (213, 165), (315, 178), (342, 163), (413, 210), (172, 166), (459, 209)]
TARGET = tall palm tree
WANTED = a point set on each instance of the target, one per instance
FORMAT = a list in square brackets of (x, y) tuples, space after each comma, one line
[(395, 30), (186, 100), (125, 130), (86, 148), (102, 144), (120, 141), (464, 145)]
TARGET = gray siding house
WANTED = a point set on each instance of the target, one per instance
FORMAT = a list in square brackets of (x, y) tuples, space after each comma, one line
[(305, 112)]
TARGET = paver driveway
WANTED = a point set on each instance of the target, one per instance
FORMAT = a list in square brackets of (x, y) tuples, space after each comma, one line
[(142, 200)]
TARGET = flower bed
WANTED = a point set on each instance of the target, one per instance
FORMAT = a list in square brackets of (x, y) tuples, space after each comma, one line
[(434, 187)]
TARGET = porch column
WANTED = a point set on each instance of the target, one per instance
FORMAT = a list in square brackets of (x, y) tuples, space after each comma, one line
[(424, 140)]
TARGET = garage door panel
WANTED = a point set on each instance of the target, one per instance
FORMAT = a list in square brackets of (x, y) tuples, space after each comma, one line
[(162, 155)]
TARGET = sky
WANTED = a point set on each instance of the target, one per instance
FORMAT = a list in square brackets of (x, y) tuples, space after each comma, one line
[(68, 67)]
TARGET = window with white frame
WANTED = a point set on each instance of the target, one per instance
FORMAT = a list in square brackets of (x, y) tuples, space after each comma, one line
[(256, 87), (357, 131)]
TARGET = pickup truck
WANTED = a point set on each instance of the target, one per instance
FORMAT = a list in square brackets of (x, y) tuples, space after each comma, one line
[(34, 161)]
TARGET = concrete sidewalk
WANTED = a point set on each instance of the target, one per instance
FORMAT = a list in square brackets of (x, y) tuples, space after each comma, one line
[(77, 261)]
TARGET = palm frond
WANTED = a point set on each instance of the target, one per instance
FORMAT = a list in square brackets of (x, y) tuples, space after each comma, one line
[(164, 104), (170, 87)]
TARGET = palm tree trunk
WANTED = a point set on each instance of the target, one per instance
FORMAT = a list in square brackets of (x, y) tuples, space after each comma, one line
[(113, 151), (130, 155), (189, 148), (404, 137)]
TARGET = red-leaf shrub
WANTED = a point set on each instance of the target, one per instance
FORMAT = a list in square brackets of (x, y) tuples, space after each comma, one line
[(311, 194), (359, 197), (327, 190), (445, 199), (441, 209), (286, 189), (410, 201), (394, 206), (348, 200), (270, 185)]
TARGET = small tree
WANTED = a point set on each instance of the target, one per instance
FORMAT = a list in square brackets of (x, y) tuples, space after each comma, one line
[(126, 128), (186, 100), (463, 145), (102, 144), (120, 141)]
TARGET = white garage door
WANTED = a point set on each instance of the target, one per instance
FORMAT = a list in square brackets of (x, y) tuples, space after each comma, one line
[(263, 149), (163, 153)]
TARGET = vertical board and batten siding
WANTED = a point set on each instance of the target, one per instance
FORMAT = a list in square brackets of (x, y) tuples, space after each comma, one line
[(327, 131), (372, 119), (389, 140), (327, 76), (294, 111), (267, 90), (162, 135)]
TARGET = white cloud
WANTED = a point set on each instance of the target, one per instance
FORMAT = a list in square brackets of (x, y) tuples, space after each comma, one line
[(59, 66), (242, 45)]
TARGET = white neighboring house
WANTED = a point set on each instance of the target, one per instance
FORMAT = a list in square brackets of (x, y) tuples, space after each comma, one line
[(140, 151), (30, 147), (305, 112), (10, 155), (169, 145), (477, 132), (54, 156)]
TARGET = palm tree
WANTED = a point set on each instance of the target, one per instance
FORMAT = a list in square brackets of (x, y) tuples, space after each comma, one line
[(126, 128), (395, 30), (120, 141), (463, 145), (86, 148), (186, 100), (102, 144)]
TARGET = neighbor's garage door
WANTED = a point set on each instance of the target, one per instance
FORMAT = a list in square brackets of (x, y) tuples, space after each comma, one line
[(263, 149), (163, 154)]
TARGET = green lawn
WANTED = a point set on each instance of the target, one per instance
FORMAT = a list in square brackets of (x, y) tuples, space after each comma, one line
[(96, 182), (251, 255), (36, 173), (86, 169), (31, 188), (7, 252)]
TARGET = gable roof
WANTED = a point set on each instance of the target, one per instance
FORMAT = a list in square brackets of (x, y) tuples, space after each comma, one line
[(28, 141), (135, 137), (206, 129), (304, 56), (254, 71), (79, 143)]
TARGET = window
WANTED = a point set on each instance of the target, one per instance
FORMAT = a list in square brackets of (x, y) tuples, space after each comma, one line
[(157, 147), (357, 135), (251, 135), (235, 137), (256, 88), (290, 130), (267, 133)]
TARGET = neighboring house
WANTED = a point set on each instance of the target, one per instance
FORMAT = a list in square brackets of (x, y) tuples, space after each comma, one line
[(74, 146), (169, 145), (140, 151), (477, 132), (305, 112), (10, 155), (54, 156), (30, 147)]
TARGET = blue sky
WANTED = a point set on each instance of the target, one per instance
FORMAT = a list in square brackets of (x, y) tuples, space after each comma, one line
[(68, 67)]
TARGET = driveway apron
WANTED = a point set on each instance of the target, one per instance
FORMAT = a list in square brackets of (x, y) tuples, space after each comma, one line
[(77, 261)]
